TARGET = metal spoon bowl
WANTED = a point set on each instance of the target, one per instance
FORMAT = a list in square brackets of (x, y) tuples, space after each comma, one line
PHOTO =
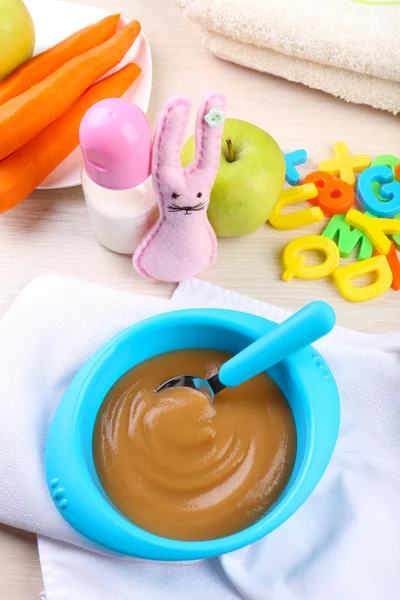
[(208, 387)]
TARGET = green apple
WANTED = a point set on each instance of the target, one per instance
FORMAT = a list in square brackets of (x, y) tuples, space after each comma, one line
[(249, 179), (17, 35)]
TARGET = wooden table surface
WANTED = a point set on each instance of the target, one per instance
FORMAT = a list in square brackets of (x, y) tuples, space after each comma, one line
[(50, 231)]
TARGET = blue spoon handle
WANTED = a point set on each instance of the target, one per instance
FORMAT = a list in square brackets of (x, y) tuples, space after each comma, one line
[(301, 329)]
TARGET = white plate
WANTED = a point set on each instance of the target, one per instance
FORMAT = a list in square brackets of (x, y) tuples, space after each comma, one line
[(54, 21)]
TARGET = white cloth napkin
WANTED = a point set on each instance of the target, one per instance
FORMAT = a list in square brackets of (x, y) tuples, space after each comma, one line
[(343, 544), (348, 48)]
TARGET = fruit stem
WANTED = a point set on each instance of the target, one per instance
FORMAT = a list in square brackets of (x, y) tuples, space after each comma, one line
[(229, 157)]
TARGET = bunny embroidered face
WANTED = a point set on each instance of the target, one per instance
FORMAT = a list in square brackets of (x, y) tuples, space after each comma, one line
[(186, 209), (185, 199), (183, 243)]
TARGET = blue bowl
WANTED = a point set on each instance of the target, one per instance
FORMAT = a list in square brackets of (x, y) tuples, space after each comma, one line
[(304, 378)]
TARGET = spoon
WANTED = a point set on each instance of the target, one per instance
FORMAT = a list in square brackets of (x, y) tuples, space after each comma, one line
[(304, 327)]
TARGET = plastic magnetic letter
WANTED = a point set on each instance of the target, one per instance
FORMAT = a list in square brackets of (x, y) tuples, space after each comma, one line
[(345, 165), (394, 265), (387, 160), (374, 228), (307, 216), (376, 264), (396, 238), (347, 238), (334, 196), (292, 159), (293, 261), (390, 205)]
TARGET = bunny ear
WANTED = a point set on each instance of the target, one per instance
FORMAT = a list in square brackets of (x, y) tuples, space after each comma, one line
[(209, 127), (168, 139)]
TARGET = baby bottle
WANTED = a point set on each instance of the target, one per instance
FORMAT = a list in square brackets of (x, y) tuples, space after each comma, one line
[(115, 139)]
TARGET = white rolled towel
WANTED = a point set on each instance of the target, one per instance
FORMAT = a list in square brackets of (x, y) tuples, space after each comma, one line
[(348, 48)]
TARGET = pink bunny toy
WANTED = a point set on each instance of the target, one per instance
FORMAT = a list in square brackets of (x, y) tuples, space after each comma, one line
[(182, 243)]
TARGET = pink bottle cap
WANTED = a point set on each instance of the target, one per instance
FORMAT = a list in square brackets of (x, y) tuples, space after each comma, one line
[(115, 138)]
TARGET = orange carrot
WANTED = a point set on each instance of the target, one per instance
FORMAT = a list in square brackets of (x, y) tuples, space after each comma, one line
[(45, 63), (25, 169), (22, 118)]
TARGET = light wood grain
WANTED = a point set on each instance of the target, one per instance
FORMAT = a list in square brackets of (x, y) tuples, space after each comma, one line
[(50, 231)]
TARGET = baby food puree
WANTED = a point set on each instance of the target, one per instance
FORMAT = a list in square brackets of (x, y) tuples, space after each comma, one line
[(183, 468)]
